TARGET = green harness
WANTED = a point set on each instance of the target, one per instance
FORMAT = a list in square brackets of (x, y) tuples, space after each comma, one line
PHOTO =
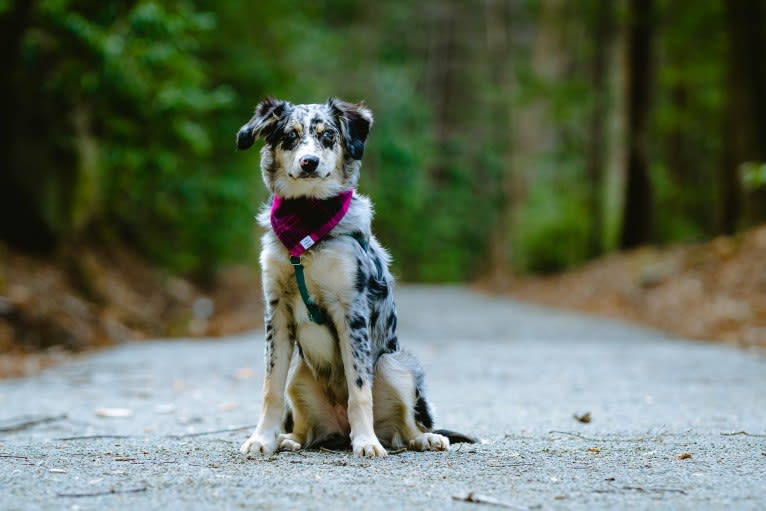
[(316, 314)]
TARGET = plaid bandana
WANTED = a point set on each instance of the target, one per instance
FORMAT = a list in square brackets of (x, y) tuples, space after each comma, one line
[(300, 223)]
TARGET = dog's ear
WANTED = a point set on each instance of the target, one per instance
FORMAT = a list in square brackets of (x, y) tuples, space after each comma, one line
[(267, 115), (355, 122)]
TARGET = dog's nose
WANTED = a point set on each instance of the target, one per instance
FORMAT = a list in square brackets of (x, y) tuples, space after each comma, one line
[(309, 163)]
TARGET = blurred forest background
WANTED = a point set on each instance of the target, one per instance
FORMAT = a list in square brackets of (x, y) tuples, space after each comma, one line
[(511, 137)]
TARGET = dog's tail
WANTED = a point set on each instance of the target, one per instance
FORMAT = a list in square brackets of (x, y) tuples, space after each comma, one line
[(455, 437)]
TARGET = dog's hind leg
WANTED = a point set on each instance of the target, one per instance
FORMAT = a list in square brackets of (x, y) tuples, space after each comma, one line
[(403, 417), (315, 419)]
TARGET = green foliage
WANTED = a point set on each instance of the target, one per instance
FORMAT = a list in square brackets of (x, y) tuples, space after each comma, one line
[(552, 235), (753, 175), (134, 74), (687, 118), (128, 111)]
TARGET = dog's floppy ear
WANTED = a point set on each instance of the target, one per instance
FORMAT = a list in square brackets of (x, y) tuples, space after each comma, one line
[(355, 122), (263, 123)]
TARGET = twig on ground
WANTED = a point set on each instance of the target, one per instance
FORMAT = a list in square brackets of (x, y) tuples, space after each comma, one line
[(89, 437), (475, 498), (614, 489), (175, 435), (516, 464), (100, 493), (577, 435), (13, 456), (592, 439), (27, 422), (743, 433), (213, 432)]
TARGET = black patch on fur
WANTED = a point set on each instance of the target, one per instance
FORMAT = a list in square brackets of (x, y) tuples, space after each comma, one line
[(391, 322), (274, 303), (357, 322), (378, 266), (455, 437), (334, 442), (245, 138), (374, 315), (359, 382), (377, 288), (422, 413), (288, 423), (328, 135), (269, 118), (327, 138), (270, 354), (392, 345), (361, 277), (333, 331), (356, 126), (287, 139)]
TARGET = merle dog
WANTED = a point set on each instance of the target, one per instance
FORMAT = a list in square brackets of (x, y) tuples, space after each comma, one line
[(328, 293)]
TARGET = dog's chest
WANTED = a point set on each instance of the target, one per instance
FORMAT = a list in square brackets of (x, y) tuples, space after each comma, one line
[(316, 342), (320, 351)]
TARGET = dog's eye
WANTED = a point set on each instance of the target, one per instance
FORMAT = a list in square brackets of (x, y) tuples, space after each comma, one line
[(291, 136), (328, 137)]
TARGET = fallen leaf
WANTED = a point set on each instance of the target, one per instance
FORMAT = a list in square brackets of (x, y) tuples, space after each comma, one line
[(244, 373), (165, 408), (594, 450), (114, 413), (684, 456), (584, 418), (227, 407)]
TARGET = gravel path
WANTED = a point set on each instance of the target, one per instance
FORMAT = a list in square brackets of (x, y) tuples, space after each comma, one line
[(674, 424)]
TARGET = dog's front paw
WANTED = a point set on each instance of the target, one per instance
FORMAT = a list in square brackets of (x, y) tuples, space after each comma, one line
[(259, 443), (429, 442), (368, 446)]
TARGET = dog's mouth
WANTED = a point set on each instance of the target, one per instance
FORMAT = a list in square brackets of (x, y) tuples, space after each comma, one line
[(308, 175)]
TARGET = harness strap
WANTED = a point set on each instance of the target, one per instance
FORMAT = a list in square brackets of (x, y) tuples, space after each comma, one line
[(316, 314)]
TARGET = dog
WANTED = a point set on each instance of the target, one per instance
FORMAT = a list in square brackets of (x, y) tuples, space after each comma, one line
[(328, 293)]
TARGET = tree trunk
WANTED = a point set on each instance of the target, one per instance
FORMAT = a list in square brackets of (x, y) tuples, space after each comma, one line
[(745, 118), (497, 22), (596, 151), (637, 217), (21, 223)]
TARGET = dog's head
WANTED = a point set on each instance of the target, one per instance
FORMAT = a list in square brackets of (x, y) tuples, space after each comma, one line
[(311, 150)]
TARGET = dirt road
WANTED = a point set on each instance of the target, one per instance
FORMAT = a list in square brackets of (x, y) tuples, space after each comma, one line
[(157, 425)]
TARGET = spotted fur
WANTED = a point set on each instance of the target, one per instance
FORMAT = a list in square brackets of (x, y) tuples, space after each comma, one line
[(348, 381)]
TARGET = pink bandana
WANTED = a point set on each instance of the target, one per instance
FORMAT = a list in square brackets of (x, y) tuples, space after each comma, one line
[(300, 223)]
